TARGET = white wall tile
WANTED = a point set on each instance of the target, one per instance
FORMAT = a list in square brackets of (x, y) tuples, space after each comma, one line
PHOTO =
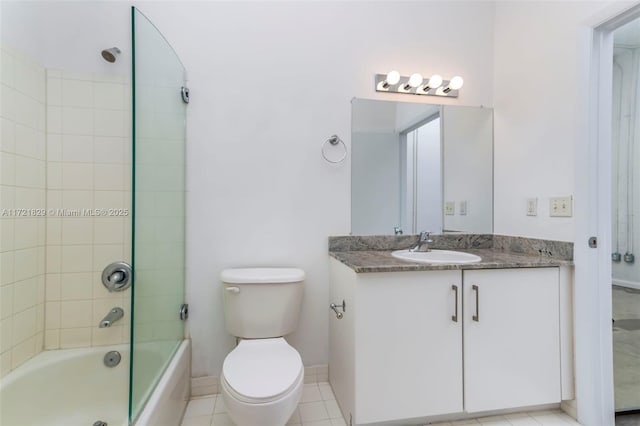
[(52, 315), (7, 135), (54, 119), (77, 148), (7, 265), (54, 259), (7, 69), (109, 149), (53, 284), (77, 199), (77, 176), (75, 313), (25, 294), (7, 168), (30, 173), (52, 339), (77, 121), (76, 286), (24, 325), (109, 177), (54, 147), (54, 175), (75, 337), (77, 258), (6, 302), (54, 91), (26, 233), (109, 123), (77, 93), (26, 263), (109, 231), (30, 142), (108, 95), (22, 352), (77, 230)]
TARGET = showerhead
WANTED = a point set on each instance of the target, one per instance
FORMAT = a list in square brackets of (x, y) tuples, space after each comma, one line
[(110, 54)]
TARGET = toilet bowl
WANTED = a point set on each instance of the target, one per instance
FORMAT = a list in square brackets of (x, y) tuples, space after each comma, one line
[(261, 382), (262, 378)]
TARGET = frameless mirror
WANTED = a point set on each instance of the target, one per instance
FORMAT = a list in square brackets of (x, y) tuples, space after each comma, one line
[(420, 167)]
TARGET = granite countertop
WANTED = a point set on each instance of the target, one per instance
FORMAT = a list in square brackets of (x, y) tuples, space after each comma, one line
[(373, 253), (382, 261)]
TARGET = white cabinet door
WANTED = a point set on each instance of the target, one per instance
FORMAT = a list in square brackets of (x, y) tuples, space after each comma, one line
[(512, 347), (408, 346)]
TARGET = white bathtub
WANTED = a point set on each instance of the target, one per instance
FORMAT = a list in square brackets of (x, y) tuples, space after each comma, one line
[(73, 387)]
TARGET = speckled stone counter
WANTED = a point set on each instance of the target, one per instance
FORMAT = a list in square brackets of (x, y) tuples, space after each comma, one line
[(373, 253)]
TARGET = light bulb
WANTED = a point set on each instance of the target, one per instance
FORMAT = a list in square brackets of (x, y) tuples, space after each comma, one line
[(456, 83), (434, 82), (393, 78), (415, 80)]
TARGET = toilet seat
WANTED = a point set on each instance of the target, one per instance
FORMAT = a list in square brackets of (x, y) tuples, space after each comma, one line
[(258, 371)]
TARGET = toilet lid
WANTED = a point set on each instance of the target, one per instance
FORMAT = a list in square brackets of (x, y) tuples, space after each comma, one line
[(261, 370)]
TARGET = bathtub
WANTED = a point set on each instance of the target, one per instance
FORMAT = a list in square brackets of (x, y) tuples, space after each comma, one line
[(73, 387)]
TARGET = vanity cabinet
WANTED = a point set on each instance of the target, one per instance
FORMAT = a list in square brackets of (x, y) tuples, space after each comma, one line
[(408, 346), (511, 338)]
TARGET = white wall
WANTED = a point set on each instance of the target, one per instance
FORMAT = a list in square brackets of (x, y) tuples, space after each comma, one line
[(270, 82), (540, 101)]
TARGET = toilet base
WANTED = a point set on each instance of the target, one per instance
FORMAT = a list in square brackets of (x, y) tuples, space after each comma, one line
[(274, 413)]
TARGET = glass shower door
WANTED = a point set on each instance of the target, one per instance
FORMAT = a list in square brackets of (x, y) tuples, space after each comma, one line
[(158, 208)]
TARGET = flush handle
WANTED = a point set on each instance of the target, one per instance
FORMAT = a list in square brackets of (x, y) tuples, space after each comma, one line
[(233, 289)]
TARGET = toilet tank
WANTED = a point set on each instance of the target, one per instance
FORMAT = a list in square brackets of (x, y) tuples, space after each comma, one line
[(261, 302)]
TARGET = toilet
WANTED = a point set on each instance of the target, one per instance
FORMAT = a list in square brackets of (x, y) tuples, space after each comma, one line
[(262, 377)]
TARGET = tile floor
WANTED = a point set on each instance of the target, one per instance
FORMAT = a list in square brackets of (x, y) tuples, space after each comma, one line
[(319, 408)]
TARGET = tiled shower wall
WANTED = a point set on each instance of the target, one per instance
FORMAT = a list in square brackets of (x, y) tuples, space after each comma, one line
[(65, 156), (89, 189), (22, 209)]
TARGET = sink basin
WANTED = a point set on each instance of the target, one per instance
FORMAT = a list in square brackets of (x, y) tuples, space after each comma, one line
[(436, 256)]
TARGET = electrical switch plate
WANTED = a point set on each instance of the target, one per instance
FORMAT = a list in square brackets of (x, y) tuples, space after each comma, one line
[(532, 207), (450, 208), (561, 206), (463, 208)]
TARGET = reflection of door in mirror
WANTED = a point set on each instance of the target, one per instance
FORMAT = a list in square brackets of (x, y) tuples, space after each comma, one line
[(411, 160), (421, 177)]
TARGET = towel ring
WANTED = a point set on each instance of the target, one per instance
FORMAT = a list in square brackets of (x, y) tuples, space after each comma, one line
[(334, 140)]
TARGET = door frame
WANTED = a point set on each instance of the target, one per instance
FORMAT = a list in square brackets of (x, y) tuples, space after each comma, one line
[(593, 337)]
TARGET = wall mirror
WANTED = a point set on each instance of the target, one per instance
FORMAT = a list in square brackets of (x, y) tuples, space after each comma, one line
[(420, 167)]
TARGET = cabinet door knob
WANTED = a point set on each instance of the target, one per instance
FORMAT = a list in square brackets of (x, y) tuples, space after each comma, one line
[(476, 317), (454, 318)]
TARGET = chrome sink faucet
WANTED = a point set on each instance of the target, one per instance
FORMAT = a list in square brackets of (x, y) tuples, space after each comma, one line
[(423, 242), (114, 315)]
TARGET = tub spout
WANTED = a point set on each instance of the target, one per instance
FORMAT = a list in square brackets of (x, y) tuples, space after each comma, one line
[(114, 315)]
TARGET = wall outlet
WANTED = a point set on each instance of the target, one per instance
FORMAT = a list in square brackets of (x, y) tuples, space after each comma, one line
[(561, 206), (449, 208), (463, 208), (532, 207)]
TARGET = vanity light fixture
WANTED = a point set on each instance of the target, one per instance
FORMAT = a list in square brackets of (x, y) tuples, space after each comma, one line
[(393, 82), (455, 84), (391, 79)]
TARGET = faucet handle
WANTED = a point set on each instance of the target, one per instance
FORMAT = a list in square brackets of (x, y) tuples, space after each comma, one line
[(425, 236)]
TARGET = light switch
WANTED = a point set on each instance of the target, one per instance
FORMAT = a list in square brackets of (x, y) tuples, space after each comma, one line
[(449, 208), (561, 206), (532, 207), (463, 208)]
